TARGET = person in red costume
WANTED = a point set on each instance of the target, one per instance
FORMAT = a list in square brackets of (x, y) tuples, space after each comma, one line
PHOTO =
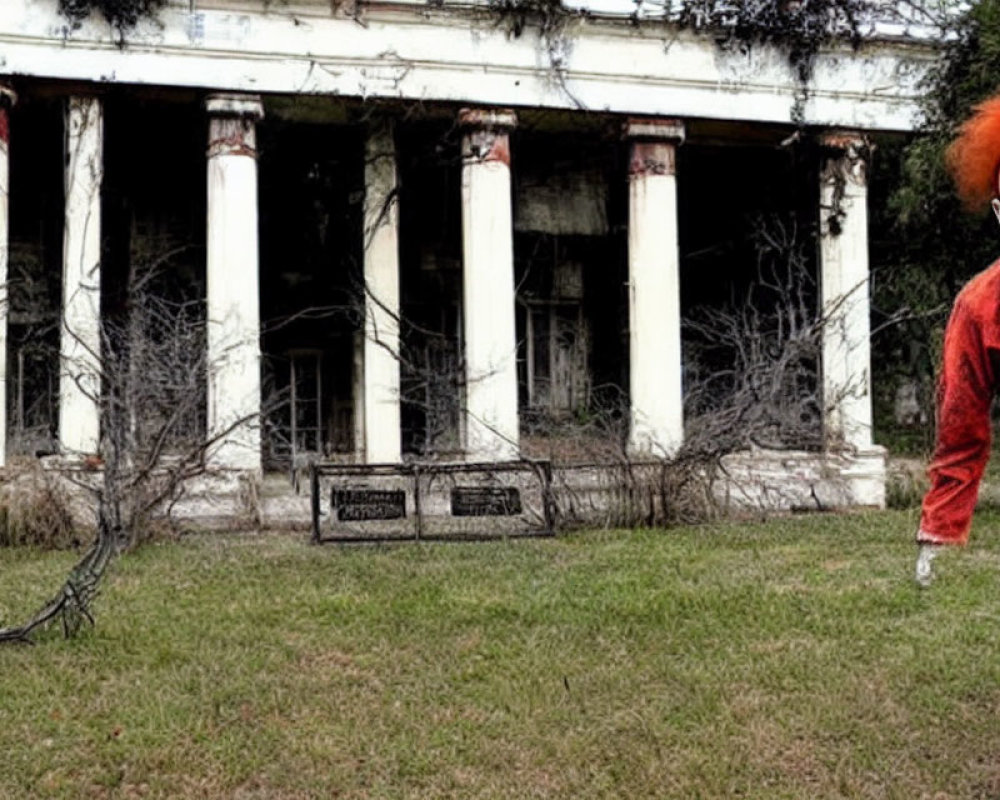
[(970, 371)]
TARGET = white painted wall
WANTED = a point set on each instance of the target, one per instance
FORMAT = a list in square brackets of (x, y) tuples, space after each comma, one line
[(425, 53)]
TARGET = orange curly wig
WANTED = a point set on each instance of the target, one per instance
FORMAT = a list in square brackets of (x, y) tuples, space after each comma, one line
[(974, 157)]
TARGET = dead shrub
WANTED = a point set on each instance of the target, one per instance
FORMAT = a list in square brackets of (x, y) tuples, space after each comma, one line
[(35, 508)]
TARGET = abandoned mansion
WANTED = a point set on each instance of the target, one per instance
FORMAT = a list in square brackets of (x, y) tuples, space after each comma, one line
[(439, 230)]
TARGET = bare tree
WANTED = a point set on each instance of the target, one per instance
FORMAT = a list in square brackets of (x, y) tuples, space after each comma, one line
[(753, 363), (153, 367), (754, 380), (752, 383)]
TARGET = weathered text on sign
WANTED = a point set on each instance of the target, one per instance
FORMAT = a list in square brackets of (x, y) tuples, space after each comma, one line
[(485, 501), (358, 505)]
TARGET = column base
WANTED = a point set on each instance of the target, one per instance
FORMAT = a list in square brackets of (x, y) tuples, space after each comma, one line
[(801, 481), (224, 499)]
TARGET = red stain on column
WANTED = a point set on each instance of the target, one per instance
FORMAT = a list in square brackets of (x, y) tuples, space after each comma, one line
[(232, 137), (499, 149), (651, 158)]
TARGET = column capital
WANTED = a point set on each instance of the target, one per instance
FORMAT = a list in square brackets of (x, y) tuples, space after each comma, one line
[(244, 106), (846, 156), (485, 138), (379, 121), (379, 127), (232, 124), (492, 119), (652, 158), (843, 140), (654, 129), (8, 97)]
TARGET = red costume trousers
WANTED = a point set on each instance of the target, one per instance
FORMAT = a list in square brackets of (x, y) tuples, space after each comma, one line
[(970, 368)]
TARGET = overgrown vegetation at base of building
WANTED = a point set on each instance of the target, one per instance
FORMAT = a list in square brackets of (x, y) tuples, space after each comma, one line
[(752, 383), (35, 508)]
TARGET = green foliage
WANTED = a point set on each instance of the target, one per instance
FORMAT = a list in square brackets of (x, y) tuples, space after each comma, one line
[(933, 229), (928, 211), (122, 14), (924, 245)]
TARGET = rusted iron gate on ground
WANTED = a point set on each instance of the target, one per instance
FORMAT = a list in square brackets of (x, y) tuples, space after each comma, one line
[(431, 501)]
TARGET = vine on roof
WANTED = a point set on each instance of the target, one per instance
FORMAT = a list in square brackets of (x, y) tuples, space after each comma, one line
[(121, 14), (798, 28)]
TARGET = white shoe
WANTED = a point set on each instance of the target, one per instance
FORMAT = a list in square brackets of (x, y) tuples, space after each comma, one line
[(925, 557)]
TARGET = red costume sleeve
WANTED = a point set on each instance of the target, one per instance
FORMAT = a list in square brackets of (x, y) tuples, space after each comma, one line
[(965, 393)]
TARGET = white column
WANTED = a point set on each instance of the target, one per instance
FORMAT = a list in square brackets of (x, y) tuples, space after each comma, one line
[(7, 99), (844, 285), (80, 335), (379, 408), (490, 414), (656, 402), (233, 299)]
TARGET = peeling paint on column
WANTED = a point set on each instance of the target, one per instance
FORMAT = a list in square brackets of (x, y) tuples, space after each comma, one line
[(655, 391), (847, 158), (7, 100), (486, 137), (654, 144), (844, 284), (485, 146), (487, 118)]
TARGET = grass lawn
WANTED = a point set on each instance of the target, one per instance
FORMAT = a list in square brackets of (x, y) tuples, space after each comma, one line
[(788, 659)]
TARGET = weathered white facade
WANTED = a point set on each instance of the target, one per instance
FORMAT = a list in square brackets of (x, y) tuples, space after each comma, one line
[(248, 69)]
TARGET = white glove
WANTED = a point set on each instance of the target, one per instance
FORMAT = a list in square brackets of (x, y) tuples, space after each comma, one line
[(925, 557)]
